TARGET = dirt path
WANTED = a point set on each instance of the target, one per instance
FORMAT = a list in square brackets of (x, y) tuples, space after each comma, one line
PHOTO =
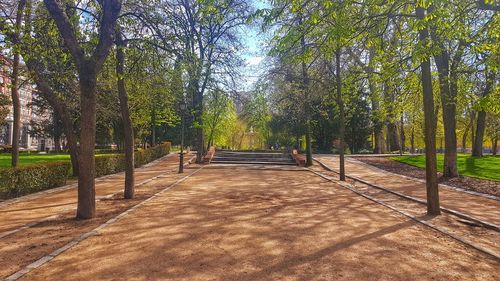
[(37, 208), (234, 223), (478, 207)]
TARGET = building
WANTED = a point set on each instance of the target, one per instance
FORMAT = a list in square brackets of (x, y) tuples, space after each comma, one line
[(27, 91)]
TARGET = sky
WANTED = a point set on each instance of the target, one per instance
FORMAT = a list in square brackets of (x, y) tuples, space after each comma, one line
[(254, 51)]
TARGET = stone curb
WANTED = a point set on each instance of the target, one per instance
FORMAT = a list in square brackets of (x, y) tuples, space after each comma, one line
[(69, 186), (436, 228), (28, 225), (43, 260), (489, 196)]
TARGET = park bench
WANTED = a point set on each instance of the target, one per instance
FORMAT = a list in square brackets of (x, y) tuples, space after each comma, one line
[(299, 158), (208, 157)]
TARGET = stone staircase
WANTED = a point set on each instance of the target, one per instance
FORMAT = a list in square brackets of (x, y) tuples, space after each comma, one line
[(262, 158)]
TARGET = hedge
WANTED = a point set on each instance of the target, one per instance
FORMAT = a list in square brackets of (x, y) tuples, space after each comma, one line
[(110, 164), (36, 177), (33, 178)]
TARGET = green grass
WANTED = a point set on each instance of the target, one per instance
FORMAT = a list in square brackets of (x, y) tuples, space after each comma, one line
[(487, 167), (27, 159)]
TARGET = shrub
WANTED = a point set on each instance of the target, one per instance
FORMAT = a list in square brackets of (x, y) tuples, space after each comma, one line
[(115, 163), (109, 164), (33, 178), (145, 156), (37, 177)]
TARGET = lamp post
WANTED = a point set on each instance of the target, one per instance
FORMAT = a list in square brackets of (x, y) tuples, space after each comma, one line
[(181, 154)]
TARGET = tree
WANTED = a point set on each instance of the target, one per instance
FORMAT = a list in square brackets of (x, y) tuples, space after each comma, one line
[(88, 67), (126, 120), (219, 118), (429, 118), (201, 34), (16, 103)]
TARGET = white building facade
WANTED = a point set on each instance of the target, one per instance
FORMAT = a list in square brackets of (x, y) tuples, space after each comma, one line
[(26, 93)]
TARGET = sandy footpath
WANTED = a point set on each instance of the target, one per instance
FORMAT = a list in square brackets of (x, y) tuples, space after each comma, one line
[(254, 224), (40, 207), (478, 207)]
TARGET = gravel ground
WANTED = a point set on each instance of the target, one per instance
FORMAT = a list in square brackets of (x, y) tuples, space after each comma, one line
[(262, 224), (479, 185)]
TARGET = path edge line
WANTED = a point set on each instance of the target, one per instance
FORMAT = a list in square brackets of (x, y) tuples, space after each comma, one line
[(465, 242), (43, 260)]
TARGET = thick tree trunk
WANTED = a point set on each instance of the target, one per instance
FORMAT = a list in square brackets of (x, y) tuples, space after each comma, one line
[(88, 68), (392, 137), (494, 145), (86, 157), (449, 115), (128, 129), (16, 103), (340, 104), (429, 127), (16, 106), (378, 123), (477, 146)]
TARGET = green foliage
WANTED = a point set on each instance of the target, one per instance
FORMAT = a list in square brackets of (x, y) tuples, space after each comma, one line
[(40, 176), (33, 178), (145, 156), (219, 118)]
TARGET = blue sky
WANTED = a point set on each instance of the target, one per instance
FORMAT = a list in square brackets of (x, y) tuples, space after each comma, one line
[(254, 51)]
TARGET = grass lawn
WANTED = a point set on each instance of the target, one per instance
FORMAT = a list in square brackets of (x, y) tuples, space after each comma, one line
[(487, 167), (26, 159)]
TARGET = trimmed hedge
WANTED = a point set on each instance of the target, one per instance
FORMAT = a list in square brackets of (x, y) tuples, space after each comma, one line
[(33, 178), (110, 164), (37, 177)]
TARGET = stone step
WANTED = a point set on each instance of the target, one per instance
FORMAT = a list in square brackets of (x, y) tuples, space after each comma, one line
[(256, 162)]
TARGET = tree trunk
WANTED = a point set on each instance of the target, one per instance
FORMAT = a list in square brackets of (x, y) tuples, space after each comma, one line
[(464, 138), (128, 129), (57, 132), (449, 115), (340, 104), (392, 136), (477, 147), (412, 139), (16, 103), (473, 127), (153, 126), (494, 144), (86, 159), (429, 127), (378, 124), (307, 107), (402, 136)]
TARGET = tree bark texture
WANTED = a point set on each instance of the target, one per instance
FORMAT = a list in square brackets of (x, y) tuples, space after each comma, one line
[(477, 147), (88, 68), (448, 102), (128, 129), (16, 103), (340, 104), (429, 127)]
